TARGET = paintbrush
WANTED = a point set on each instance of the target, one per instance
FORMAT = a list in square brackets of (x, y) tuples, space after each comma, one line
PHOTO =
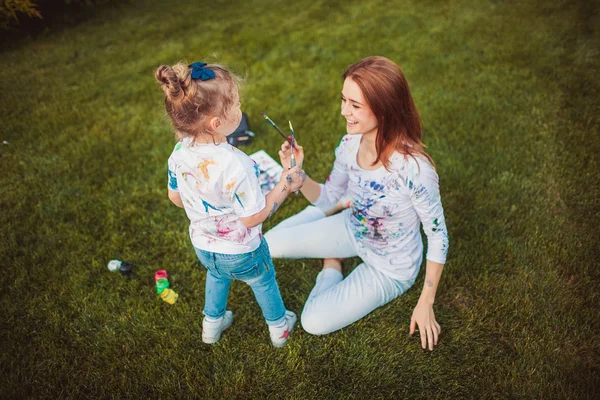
[(274, 125), (291, 140), (293, 157), (293, 160)]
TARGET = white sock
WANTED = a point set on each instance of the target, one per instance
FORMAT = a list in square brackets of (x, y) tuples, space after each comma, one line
[(211, 319), (282, 323)]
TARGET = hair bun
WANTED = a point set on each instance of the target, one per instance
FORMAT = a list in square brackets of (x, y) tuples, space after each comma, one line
[(170, 83)]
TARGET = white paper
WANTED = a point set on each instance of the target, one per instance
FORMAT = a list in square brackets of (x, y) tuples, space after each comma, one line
[(270, 170)]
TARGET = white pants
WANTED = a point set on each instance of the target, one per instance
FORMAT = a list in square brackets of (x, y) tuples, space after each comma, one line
[(334, 302)]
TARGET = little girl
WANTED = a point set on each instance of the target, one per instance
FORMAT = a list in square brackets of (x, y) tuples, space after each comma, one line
[(217, 186)]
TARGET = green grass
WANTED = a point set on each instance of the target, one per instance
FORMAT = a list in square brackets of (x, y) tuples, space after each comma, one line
[(508, 93)]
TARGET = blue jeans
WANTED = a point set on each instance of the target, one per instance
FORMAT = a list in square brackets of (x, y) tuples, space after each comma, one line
[(255, 269)]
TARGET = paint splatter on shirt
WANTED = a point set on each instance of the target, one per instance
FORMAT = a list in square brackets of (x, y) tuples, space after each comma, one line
[(218, 186), (388, 208)]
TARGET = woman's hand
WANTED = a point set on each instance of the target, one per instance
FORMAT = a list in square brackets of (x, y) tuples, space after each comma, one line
[(285, 155), (293, 178), (429, 329)]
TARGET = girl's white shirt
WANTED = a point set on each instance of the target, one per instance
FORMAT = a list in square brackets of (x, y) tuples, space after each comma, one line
[(218, 184)]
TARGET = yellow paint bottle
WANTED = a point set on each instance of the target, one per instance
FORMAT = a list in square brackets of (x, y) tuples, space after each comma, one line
[(169, 295)]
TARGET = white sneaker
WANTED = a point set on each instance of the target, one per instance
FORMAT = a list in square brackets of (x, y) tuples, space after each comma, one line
[(211, 330), (279, 336)]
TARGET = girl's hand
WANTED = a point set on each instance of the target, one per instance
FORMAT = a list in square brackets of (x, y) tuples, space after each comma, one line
[(429, 329), (285, 155), (294, 178)]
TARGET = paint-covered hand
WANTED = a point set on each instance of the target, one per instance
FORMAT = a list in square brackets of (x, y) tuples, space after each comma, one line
[(429, 329), (293, 179), (285, 155)]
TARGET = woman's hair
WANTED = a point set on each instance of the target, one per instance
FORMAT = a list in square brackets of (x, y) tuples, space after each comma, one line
[(386, 91), (191, 103)]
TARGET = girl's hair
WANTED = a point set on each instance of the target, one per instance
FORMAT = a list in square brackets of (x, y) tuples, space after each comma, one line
[(386, 91), (191, 103)]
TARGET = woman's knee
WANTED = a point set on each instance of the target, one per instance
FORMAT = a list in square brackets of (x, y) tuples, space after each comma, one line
[(276, 245), (313, 323)]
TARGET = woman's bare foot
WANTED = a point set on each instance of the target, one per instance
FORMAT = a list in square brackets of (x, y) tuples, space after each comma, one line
[(333, 263)]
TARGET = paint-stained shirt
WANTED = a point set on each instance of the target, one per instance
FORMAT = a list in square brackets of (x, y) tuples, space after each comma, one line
[(218, 185), (388, 208)]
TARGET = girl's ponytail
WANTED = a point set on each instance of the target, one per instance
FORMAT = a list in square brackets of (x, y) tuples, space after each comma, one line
[(170, 84)]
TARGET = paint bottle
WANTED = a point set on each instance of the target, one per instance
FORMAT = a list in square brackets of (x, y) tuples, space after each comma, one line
[(123, 267), (114, 265), (169, 295), (161, 273), (162, 284), (126, 269)]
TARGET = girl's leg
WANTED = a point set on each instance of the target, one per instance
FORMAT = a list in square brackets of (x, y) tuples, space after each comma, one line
[(260, 276), (336, 302), (216, 318), (266, 291), (310, 234), (215, 295)]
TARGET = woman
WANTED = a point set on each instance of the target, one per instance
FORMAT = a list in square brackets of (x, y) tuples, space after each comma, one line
[(382, 168)]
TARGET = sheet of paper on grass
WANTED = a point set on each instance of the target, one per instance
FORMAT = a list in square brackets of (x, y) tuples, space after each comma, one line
[(270, 171)]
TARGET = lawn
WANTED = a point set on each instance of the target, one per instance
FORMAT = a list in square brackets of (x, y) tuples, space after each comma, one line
[(508, 92)]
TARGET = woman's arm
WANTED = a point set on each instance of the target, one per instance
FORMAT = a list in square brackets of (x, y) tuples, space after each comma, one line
[(323, 196), (423, 314), (425, 197), (311, 190)]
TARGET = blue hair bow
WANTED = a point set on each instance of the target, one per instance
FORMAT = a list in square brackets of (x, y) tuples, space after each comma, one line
[(199, 72)]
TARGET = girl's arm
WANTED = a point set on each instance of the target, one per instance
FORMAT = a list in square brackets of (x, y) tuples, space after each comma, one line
[(173, 189), (175, 198), (291, 180)]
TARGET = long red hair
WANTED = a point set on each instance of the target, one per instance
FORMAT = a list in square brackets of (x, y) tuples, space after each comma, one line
[(386, 91)]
